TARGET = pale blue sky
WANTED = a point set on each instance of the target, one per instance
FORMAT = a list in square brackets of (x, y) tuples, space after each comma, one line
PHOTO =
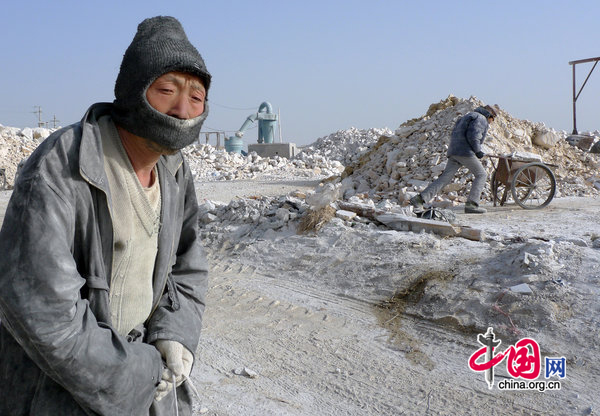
[(325, 65)]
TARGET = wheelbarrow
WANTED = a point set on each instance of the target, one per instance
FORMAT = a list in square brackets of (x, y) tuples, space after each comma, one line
[(531, 182)]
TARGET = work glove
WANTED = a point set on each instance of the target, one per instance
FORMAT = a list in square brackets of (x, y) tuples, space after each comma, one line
[(178, 360), (479, 154)]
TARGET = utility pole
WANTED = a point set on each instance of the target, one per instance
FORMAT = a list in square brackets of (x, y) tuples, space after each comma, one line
[(54, 121), (38, 111)]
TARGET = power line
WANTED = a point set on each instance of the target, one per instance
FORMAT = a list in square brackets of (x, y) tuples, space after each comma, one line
[(5, 110), (224, 131), (229, 131), (231, 108)]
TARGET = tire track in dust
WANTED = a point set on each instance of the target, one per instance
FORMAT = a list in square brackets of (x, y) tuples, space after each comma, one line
[(319, 353)]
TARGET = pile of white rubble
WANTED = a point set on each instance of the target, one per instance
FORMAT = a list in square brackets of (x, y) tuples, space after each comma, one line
[(399, 165), (345, 146), (209, 163), (326, 157), (250, 218), (17, 144), (206, 162)]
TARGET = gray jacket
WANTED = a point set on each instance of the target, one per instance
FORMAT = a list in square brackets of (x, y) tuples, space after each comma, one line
[(469, 133), (59, 354)]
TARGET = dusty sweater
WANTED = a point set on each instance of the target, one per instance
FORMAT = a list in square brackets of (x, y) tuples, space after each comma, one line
[(136, 221)]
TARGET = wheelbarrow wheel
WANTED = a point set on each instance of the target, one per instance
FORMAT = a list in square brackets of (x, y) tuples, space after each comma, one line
[(533, 186)]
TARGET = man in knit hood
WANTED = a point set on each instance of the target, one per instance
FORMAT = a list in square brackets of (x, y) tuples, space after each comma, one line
[(159, 46), (103, 276)]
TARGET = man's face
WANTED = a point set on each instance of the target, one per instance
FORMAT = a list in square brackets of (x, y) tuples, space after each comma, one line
[(177, 94)]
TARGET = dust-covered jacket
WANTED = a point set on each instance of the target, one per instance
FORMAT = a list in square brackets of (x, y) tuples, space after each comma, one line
[(59, 354), (469, 133)]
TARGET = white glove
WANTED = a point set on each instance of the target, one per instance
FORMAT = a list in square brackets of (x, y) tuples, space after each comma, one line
[(179, 362)]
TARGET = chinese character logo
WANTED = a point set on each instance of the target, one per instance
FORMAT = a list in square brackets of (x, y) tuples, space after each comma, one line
[(523, 358), (555, 367)]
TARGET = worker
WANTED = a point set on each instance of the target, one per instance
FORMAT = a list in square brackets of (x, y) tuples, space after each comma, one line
[(465, 150), (102, 274)]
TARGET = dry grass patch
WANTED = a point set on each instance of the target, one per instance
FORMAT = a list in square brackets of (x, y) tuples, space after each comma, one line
[(315, 219)]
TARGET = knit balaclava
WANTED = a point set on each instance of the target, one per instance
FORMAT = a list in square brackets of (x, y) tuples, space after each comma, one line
[(159, 46)]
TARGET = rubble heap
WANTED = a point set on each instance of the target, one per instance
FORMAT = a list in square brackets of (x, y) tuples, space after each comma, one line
[(210, 163), (17, 144), (247, 217), (345, 146), (397, 166), (206, 161)]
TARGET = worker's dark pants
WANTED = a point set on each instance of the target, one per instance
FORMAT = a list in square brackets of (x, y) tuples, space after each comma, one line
[(455, 162)]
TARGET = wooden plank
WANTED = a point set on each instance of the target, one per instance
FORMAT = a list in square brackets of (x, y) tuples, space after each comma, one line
[(363, 210), (403, 223)]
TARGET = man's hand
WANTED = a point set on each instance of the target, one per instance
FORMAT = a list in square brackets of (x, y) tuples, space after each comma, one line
[(479, 154), (165, 386), (178, 362)]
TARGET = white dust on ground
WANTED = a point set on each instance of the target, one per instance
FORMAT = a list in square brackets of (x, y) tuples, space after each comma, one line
[(304, 313)]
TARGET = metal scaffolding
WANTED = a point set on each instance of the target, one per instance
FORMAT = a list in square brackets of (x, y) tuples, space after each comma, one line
[(576, 95), (210, 133)]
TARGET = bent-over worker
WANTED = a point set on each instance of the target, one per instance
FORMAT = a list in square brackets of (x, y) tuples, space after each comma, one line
[(465, 150)]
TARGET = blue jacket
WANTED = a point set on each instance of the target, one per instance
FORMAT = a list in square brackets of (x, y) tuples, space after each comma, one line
[(469, 133), (59, 354)]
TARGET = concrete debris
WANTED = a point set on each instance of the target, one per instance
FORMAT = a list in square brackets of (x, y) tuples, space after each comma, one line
[(206, 162), (530, 260), (246, 372), (345, 215), (210, 163), (596, 147), (577, 241), (250, 217), (17, 144), (345, 146), (522, 288), (582, 141), (546, 139), (324, 194)]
